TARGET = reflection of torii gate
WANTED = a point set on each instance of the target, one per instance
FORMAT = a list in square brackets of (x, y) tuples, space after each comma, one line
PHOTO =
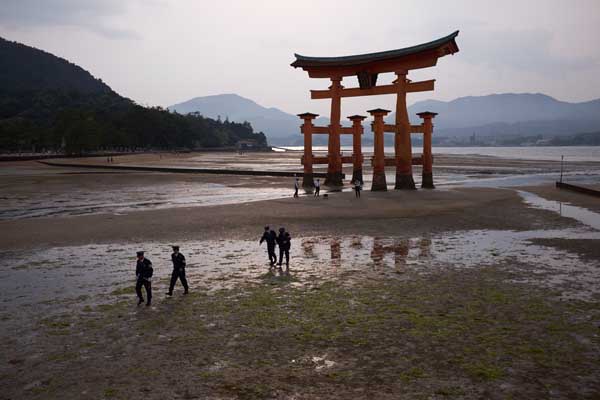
[(367, 67)]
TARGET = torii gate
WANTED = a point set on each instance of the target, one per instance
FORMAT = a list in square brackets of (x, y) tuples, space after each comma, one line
[(367, 67)]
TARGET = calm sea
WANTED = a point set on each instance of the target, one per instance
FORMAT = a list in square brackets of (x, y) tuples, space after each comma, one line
[(571, 153)]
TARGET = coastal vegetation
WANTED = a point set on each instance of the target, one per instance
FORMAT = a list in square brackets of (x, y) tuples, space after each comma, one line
[(50, 104)]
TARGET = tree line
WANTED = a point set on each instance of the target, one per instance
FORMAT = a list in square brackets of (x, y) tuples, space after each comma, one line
[(74, 122)]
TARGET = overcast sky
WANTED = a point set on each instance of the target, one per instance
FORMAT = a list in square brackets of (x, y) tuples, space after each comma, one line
[(161, 52)]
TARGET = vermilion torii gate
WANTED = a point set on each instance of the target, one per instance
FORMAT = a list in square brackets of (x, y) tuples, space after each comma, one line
[(367, 67)]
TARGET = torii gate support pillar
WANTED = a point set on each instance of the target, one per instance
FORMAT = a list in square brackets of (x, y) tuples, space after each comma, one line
[(427, 182), (379, 181), (308, 182)]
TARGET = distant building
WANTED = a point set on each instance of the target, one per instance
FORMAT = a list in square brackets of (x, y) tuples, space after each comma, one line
[(249, 144), (543, 142)]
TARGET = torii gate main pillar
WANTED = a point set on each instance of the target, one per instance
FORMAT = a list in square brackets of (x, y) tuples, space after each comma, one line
[(402, 142), (334, 165)]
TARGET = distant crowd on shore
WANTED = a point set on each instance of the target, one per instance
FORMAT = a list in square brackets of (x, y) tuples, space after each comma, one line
[(356, 184)]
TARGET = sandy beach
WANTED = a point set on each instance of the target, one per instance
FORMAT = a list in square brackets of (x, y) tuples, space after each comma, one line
[(473, 290)]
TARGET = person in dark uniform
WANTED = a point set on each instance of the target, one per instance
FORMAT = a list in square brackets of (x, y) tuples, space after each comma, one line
[(143, 273), (270, 237), (178, 271), (284, 240), (296, 186), (317, 188), (357, 188)]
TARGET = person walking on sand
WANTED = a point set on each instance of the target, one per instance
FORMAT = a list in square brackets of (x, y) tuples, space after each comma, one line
[(317, 187), (284, 240), (296, 186), (271, 238), (178, 260), (143, 273), (357, 188)]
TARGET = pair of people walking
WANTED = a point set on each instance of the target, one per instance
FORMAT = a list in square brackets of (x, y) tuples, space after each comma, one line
[(317, 187), (144, 272), (283, 240)]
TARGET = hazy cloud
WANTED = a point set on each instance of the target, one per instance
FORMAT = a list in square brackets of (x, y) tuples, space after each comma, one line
[(525, 50), (94, 15)]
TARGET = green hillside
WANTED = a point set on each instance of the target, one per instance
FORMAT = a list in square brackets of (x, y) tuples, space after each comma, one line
[(48, 103)]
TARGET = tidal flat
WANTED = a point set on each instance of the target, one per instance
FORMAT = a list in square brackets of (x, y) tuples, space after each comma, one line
[(460, 292)]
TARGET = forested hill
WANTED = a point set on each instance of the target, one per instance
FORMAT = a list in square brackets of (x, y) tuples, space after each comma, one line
[(48, 103), (26, 69)]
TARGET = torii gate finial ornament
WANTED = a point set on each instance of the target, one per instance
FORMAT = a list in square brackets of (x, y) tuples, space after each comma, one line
[(367, 67)]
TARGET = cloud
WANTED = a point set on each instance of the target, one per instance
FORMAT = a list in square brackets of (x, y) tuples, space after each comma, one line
[(524, 50), (96, 16)]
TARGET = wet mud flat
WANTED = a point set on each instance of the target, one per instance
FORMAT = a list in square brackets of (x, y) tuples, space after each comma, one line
[(470, 314), (441, 335), (28, 190)]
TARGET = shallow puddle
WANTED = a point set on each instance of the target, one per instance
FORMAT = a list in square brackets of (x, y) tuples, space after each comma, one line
[(60, 278)]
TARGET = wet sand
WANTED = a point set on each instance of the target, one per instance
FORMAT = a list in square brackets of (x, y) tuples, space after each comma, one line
[(459, 292), (374, 213)]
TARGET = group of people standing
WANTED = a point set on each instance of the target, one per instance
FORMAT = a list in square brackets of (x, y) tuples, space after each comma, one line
[(357, 184), (283, 240), (144, 272)]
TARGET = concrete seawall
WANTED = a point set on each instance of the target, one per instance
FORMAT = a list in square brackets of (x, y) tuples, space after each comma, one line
[(185, 170), (579, 189)]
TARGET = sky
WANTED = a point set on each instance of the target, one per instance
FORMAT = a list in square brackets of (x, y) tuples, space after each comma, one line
[(162, 52)]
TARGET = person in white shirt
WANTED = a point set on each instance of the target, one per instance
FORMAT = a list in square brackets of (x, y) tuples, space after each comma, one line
[(296, 185)]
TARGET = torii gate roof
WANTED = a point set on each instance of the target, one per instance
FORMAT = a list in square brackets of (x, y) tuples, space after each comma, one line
[(356, 63)]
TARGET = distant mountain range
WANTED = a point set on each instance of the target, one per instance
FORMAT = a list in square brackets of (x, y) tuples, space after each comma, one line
[(511, 114), (523, 114), (280, 127)]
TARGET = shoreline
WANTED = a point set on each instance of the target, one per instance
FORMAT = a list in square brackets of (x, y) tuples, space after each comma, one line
[(387, 213)]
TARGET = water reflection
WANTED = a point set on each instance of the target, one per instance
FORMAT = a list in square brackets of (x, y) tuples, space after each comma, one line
[(335, 246), (378, 251), (356, 243), (399, 248), (308, 247), (424, 248)]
